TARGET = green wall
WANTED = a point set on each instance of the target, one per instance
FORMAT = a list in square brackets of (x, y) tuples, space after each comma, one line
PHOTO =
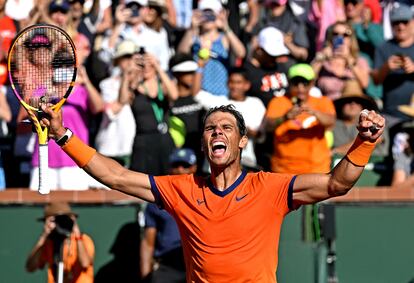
[(375, 243)]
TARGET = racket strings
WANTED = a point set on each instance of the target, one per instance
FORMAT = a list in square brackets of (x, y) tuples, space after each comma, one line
[(42, 65)]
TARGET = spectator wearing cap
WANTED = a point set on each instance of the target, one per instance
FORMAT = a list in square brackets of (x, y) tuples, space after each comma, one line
[(340, 62), (298, 122), (117, 119), (130, 25), (394, 64), (61, 229), (210, 37), (348, 108), (55, 12), (268, 65), (183, 67), (280, 15), (162, 241)]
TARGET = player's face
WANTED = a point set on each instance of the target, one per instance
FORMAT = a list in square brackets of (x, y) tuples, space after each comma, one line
[(221, 139)]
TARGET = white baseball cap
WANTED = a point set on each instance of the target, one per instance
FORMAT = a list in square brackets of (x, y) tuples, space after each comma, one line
[(271, 40), (140, 2), (214, 5)]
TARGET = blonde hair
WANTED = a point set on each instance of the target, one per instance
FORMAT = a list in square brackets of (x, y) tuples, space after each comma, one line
[(354, 42)]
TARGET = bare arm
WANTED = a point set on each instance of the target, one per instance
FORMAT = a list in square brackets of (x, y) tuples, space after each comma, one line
[(236, 46), (187, 40), (253, 15), (312, 188), (104, 169), (147, 251), (84, 257), (393, 62), (95, 101), (34, 260)]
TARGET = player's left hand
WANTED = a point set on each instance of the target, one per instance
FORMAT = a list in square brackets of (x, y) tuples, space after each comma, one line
[(370, 125)]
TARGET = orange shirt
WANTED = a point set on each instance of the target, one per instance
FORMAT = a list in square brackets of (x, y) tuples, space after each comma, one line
[(299, 145), (73, 272), (231, 235)]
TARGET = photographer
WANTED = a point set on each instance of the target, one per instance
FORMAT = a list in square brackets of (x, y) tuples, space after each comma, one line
[(62, 244)]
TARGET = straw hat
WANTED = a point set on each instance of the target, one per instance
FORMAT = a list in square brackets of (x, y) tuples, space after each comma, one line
[(353, 92), (408, 109), (126, 47), (57, 208)]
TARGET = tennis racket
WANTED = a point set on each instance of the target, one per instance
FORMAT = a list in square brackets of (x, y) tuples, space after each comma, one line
[(42, 68)]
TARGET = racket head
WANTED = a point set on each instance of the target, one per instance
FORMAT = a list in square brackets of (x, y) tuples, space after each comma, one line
[(42, 66)]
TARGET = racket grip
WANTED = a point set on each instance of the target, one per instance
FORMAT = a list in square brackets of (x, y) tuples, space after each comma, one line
[(44, 188)]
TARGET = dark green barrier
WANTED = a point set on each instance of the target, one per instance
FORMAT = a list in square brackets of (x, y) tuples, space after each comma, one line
[(375, 243), (20, 231)]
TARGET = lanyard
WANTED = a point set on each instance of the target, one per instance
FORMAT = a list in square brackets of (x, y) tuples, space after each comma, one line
[(158, 111)]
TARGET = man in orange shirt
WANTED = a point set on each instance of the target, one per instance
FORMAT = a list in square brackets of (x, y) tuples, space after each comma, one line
[(62, 247), (298, 122), (230, 221)]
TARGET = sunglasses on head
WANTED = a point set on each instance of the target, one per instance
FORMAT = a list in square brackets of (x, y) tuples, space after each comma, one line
[(299, 80), (347, 33)]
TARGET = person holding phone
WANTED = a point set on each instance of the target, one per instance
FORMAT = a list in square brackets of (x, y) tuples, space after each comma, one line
[(394, 64), (210, 37), (340, 62)]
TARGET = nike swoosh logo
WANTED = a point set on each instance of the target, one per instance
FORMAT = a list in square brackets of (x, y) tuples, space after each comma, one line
[(240, 198), (200, 201)]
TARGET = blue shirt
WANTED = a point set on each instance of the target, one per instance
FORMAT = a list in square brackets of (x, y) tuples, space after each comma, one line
[(168, 236)]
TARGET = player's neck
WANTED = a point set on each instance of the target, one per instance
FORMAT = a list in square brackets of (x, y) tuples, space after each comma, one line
[(222, 178)]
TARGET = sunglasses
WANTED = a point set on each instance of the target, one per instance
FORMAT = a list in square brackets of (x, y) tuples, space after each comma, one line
[(347, 33), (181, 164), (353, 2), (397, 23), (299, 80)]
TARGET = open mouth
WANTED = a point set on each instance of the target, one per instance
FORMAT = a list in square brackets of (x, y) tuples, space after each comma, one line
[(219, 148)]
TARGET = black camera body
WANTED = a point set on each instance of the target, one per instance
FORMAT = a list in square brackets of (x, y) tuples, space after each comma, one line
[(64, 225)]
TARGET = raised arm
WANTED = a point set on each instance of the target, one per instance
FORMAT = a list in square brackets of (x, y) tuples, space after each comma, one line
[(312, 188), (103, 169)]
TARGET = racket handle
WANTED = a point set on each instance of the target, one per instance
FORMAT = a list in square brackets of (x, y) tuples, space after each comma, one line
[(44, 188)]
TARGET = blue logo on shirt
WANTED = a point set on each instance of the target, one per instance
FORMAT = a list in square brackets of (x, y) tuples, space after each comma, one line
[(240, 198)]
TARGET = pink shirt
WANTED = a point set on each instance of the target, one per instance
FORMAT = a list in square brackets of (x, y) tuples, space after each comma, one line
[(75, 117)]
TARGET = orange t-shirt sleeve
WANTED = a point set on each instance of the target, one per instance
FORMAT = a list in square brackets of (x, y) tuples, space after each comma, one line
[(280, 190), (167, 189)]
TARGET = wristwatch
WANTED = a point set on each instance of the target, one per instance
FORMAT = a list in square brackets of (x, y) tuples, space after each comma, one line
[(63, 139)]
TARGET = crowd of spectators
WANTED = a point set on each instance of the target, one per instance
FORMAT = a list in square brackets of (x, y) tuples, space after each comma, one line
[(299, 71)]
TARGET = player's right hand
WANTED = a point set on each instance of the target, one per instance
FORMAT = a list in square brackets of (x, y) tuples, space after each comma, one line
[(53, 121)]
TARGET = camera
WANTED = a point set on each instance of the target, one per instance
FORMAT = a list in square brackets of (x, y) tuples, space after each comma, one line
[(208, 16), (64, 225)]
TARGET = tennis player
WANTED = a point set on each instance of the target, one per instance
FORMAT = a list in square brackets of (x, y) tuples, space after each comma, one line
[(230, 221)]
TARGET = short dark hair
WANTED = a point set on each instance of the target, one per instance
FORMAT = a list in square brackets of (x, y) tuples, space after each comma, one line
[(240, 71), (232, 110)]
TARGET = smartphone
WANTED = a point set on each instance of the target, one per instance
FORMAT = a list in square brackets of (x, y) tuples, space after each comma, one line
[(337, 41), (134, 9), (141, 50), (208, 16)]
